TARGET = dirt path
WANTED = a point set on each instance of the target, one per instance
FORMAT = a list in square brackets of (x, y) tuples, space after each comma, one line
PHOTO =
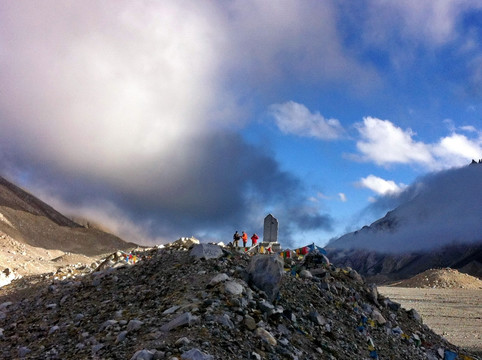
[(455, 314)]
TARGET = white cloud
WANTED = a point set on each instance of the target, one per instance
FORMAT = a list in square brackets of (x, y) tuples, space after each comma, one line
[(294, 118), (381, 186), (433, 23), (342, 197), (468, 128), (402, 30), (124, 82), (457, 149), (384, 143)]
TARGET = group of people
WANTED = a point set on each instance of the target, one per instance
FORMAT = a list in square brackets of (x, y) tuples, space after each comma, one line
[(244, 237)]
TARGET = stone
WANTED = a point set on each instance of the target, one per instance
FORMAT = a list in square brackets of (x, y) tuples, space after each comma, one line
[(306, 274), (134, 325), (171, 310), (107, 324), (270, 232), (233, 288), (206, 251), (121, 337), (355, 276), (143, 355), (181, 320), (266, 272), (225, 321), (415, 315), (53, 329), (182, 342), (249, 322), (255, 356), (196, 354), (23, 351), (317, 318), (373, 293), (185, 243), (378, 317), (266, 336), (218, 278), (97, 347), (392, 305), (266, 307)]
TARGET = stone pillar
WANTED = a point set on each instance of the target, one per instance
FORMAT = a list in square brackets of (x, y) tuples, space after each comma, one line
[(270, 233)]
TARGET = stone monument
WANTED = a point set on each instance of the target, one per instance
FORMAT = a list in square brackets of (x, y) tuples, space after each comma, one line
[(270, 233)]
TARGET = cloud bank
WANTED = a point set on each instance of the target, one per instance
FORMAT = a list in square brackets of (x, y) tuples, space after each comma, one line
[(132, 108), (439, 209)]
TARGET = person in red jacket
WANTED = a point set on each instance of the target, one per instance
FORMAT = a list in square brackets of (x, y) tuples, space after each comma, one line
[(254, 239), (245, 239)]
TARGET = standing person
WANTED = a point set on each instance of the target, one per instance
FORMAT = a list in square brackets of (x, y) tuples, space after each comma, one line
[(236, 238), (245, 239), (254, 239)]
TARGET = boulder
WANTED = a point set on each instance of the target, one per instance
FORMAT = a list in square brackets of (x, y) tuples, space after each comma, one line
[(265, 272), (206, 251)]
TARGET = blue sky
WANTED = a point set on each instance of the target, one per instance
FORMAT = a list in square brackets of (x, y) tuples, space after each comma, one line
[(172, 118)]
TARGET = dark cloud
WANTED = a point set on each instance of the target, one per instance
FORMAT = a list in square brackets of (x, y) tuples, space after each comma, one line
[(213, 184)]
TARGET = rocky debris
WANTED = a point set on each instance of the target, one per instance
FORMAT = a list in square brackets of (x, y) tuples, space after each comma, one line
[(171, 305), (442, 279)]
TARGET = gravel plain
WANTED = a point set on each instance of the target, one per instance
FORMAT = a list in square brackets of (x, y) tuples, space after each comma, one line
[(456, 314)]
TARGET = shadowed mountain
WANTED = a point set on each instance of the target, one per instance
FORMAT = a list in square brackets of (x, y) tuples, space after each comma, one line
[(382, 267), (13, 197), (31, 232)]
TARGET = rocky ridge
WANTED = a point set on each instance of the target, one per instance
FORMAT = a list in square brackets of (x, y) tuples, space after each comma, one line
[(210, 302)]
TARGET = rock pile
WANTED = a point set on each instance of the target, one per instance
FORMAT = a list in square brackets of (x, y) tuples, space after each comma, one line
[(212, 303), (442, 279)]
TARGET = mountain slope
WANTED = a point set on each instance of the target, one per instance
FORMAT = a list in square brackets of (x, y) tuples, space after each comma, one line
[(32, 233), (13, 197)]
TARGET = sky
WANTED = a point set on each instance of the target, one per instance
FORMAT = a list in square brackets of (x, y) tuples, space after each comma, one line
[(163, 119)]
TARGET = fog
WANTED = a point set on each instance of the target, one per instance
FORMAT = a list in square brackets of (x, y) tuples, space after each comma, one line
[(438, 209)]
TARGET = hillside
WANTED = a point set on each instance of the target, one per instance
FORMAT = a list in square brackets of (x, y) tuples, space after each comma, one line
[(13, 197), (383, 268), (210, 303), (32, 233)]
